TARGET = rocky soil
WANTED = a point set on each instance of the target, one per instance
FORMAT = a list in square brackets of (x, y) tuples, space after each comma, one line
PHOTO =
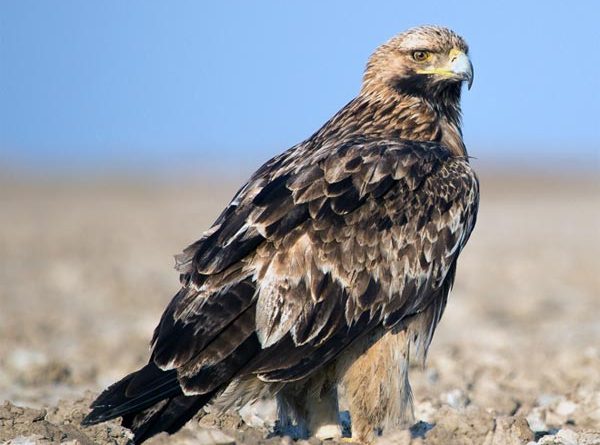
[(86, 270)]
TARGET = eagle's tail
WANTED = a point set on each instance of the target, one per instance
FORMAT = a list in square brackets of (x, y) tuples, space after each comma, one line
[(150, 401)]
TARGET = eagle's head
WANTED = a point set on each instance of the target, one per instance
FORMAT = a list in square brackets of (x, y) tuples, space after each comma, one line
[(426, 61)]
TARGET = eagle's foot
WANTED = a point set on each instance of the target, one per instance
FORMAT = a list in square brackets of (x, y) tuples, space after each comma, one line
[(328, 431)]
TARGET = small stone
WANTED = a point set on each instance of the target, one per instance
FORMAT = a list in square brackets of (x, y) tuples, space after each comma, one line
[(510, 431), (22, 359), (568, 437), (562, 437), (456, 398), (545, 400), (27, 440), (566, 408), (536, 422)]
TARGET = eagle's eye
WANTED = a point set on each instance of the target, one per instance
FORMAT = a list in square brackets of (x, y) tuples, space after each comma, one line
[(420, 56)]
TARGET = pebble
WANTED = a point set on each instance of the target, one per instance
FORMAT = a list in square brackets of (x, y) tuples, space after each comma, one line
[(456, 398), (509, 431), (565, 408), (27, 440), (562, 437), (536, 421)]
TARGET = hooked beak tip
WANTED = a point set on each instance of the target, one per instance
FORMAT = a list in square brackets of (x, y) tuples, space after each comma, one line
[(462, 66), (470, 76)]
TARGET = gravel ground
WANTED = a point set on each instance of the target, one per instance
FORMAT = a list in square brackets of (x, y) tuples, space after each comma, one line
[(86, 270)]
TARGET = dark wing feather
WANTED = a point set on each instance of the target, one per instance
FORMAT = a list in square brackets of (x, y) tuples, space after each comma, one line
[(193, 320), (319, 248), (316, 250)]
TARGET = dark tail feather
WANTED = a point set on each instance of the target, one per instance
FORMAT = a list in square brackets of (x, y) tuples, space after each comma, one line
[(168, 415), (134, 393), (149, 400)]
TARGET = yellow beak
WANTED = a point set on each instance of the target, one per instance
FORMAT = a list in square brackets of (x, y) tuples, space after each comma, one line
[(459, 66)]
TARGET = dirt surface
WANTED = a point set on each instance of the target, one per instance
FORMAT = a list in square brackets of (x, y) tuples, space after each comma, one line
[(86, 270)]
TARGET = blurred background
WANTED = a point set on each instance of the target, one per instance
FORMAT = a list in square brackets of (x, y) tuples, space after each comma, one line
[(150, 86), (125, 127)]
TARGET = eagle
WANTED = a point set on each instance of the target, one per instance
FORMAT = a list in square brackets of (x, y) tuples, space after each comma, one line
[(330, 268)]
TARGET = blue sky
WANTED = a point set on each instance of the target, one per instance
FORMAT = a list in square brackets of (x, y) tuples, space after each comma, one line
[(136, 84)]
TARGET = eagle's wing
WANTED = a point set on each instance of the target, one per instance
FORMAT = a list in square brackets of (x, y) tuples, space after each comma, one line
[(315, 251)]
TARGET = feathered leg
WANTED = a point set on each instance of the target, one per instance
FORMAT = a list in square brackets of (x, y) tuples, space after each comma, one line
[(310, 408), (323, 420), (377, 388)]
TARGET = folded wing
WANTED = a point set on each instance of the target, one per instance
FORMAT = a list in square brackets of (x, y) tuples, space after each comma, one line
[(315, 251)]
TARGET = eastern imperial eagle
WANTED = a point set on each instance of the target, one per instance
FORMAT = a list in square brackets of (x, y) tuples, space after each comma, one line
[(327, 264)]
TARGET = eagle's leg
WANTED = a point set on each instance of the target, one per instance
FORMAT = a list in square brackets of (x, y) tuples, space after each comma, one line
[(377, 388), (310, 408), (323, 421)]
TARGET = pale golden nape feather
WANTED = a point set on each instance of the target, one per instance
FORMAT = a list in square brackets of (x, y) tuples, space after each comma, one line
[(331, 260)]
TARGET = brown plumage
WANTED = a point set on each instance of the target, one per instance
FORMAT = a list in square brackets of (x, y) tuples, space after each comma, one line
[(327, 264)]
